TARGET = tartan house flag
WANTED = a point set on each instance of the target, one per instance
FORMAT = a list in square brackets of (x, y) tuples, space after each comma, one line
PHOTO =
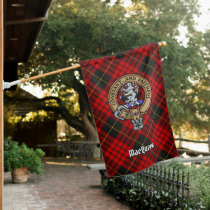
[(128, 100)]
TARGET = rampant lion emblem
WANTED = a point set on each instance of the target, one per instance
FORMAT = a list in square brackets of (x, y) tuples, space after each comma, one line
[(130, 98)]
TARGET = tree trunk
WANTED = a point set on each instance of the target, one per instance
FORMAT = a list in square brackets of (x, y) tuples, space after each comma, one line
[(92, 134)]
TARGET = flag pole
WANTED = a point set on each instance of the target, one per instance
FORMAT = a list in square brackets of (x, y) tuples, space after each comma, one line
[(9, 84)]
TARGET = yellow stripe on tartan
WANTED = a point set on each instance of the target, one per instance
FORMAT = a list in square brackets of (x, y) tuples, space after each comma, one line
[(159, 116), (150, 60), (170, 150), (102, 75), (117, 172), (96, 76), (147, 137), (100, 79), (108, 132), (128, 138), (137, 60), (132, 139), (116, 74), (144, 63), (103, 142), (155, 112), (113, 73)]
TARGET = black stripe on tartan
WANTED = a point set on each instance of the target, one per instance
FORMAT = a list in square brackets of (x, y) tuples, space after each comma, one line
[(151, 67), (137, 62), (157, 79), (129, 57), (155, 48), (148, 129), (100, 74), (124, 61), (124, 142), (166, 145), (142, 67), (164, 123), (141, 138), (150, 155), (93, 93), (153, 157), (92, 75), (90, 68), (156, 74), (110, 71), (128, 141), (156, 110), (110, 121), (120, 137), (124, 171), (148, 160), (117, 68), (122, 54), (164, 154), (134, 65), (102, 80), (100, 83)]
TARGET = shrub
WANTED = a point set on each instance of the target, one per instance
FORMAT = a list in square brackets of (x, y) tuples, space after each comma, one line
[(18, 156)]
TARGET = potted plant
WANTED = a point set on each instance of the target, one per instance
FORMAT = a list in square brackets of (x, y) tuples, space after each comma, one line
[(19, 159)]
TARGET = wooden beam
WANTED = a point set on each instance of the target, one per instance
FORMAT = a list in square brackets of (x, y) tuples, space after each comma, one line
[(194, 141), (24, 21), (192, 152), (1, 102)]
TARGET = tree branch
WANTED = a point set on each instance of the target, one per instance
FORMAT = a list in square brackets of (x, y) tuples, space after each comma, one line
[(39, 104)]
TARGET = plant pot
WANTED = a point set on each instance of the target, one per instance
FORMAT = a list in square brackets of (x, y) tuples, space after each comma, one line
[(20, 175)]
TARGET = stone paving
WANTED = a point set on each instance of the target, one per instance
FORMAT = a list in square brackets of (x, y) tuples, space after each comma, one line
[(63, 186)]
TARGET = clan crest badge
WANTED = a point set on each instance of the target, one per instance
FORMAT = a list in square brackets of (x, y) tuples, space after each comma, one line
[(130, 98)]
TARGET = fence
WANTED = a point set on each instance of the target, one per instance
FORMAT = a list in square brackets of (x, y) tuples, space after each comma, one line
[(81, 150), (159, 184), (180, 139)]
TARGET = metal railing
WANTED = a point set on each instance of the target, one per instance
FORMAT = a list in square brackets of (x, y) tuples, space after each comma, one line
[(160, 182), (81, 150)]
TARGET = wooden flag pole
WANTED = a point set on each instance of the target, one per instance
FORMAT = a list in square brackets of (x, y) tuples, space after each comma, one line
[(51, 73), (9, 84)]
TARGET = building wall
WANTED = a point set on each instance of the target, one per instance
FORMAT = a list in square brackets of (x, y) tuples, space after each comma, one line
[(33, 134)]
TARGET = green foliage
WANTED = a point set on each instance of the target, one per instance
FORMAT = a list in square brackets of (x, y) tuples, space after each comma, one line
[(139, 198), (16, 156), (199, 182), (77, 30)]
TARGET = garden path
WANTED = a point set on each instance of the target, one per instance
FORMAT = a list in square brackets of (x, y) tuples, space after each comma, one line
[(63, 185)]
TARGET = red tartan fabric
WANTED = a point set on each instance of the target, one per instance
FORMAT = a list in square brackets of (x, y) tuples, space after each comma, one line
[(128, 101)]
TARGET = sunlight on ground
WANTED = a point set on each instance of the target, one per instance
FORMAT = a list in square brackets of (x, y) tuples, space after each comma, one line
[(196, 146), (65, 164)]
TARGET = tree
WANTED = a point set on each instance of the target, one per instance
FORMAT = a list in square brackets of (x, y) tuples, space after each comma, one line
[(77, 30)]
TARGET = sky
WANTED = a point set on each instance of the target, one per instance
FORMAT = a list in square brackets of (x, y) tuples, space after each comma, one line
[(203, 22)]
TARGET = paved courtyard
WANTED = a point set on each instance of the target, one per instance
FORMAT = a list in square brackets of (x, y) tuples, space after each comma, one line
[(64, 185)]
